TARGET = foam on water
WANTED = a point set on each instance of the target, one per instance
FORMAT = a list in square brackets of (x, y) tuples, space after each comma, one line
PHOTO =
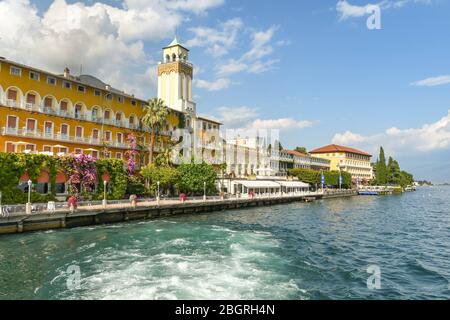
[(241, 270)]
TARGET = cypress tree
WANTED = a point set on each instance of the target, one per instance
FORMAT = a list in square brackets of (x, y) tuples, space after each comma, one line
[(381, 168)]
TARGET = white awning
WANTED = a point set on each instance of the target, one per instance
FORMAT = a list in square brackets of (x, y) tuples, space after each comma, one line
[(293, 184), (257, 184)]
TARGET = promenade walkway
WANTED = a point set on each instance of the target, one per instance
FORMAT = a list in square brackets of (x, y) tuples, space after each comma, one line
[(58, 215)]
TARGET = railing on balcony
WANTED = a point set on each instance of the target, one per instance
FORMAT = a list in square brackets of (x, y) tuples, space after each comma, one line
[(25, 132), (55, 110)]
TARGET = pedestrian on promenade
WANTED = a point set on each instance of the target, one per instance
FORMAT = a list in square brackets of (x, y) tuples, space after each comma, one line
[(72, 202), (182, 197), (133, 200)]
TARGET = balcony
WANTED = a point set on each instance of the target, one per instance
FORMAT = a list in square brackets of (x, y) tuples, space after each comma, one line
[(79, 116), (55, 110), (24, 132)]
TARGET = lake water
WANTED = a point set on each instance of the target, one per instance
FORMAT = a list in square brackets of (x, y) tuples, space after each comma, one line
[(315, 250)]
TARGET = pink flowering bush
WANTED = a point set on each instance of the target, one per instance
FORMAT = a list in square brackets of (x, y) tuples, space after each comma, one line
[(131, 154), (80, 170)]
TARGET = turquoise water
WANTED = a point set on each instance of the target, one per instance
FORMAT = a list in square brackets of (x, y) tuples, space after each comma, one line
[(300, 251)]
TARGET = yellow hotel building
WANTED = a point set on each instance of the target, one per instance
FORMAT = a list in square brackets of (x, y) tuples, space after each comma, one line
[(350, 160), (42, 112)]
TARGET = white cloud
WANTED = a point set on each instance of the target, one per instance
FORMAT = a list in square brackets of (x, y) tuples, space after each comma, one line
[(247, 118), (433, 81), (235, 117), (196, 6), (260, 44), (347, 10), (430, 137), (106, 40), (217, 85), (218, 41), (231, 67), (262, 66), (252, 60), (280, 124)]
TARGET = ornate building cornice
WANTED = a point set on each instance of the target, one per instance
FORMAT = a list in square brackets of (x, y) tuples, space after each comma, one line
[(177, 66)]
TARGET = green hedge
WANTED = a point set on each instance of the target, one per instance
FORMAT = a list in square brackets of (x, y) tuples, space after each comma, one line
[(118, 178), (13, 166), (314, 177)]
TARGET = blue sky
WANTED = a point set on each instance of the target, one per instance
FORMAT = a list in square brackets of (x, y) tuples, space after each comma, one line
[(311, 68)]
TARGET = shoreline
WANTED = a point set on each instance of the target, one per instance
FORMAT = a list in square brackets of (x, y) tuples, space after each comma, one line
[(82, 218)]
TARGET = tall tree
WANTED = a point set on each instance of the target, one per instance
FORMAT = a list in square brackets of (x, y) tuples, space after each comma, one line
[(301, 150), (381, 168), (155, 119), (393, 172)]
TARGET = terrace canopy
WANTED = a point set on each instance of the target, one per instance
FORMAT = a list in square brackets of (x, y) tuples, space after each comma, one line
[(293, 186), (256, 186)]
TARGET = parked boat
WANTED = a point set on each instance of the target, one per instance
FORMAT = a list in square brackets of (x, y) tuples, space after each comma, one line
[(368, 193)]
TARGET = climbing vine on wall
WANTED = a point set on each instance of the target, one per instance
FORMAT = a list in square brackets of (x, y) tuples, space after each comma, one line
[(13, 166), (118, 178)]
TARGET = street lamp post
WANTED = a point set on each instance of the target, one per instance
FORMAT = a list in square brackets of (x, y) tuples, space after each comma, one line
[(158, 194), (204, 191), (28, 206), (105, 202)]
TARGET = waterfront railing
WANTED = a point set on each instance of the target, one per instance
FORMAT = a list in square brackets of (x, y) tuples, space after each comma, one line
[(62, 207)]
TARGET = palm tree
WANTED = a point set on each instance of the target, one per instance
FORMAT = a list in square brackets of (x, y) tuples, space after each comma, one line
[(165, 157), (155, 119)]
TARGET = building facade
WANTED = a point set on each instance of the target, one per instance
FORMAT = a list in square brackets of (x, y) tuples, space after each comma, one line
[(353, 161), (246, 157), (62, 114), (284, 160)]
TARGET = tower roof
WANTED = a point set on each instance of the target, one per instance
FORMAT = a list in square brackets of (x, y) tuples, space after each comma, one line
[(176, 42)]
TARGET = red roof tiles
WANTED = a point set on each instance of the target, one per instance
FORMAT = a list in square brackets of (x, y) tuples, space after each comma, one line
[(335, 148)]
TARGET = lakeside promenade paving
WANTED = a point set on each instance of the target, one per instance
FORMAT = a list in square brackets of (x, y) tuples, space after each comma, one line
[(122, 211)]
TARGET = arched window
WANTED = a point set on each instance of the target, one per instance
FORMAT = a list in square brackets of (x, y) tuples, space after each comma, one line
[(78, 111), (167, 58), (107, 115), (174, 57), (13, 98), (94, 114), (31, 100)]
